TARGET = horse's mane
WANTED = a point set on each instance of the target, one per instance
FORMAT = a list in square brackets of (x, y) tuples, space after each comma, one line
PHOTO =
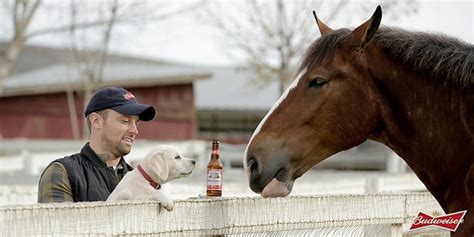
[(448, 60)]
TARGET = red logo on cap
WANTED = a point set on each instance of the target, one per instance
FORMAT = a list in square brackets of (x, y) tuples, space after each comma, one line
[(129, 96)]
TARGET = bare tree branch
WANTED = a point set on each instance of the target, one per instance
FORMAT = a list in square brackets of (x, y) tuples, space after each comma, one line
[(273, 35), (20, 23), (129, 19), (22, 12)]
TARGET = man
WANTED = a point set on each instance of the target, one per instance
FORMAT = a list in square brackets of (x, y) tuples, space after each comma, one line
[(91, 175)]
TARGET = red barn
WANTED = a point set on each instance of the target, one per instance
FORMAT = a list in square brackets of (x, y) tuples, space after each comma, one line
[(44, 98)]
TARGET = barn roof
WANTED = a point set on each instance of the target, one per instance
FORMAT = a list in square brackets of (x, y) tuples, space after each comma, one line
[(49, 70), (62, 77)]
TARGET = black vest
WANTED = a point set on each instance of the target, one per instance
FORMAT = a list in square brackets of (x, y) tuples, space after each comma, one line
[(90, 179)]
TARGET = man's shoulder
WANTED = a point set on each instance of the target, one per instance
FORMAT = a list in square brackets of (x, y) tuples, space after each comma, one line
[(54, 169), (56, 165), (65, 163), (73, 157)]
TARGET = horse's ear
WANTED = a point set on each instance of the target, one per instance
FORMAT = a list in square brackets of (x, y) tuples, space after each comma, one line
[(323, 28), (363, 34)]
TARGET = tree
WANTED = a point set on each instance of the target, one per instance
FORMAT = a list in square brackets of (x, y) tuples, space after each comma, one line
[(89, 25), (22, 13), (91, 61), (272, 35)]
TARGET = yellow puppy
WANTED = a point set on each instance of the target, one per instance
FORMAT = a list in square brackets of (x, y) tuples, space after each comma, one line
[(161, 165)]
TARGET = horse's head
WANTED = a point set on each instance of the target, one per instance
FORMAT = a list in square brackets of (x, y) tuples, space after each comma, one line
[(328, 108)]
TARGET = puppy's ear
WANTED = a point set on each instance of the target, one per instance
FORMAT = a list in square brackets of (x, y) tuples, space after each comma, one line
[(160, 166)]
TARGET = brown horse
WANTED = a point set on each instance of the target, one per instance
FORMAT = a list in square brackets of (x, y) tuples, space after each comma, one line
[(411, 91)]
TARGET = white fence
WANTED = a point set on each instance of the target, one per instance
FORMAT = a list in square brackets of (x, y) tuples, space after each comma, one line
[(32, 156), (354, 214), (235, 185), (345, 215)]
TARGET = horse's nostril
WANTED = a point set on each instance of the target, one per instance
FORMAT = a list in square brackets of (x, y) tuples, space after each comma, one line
[(193, 162), (250, 161), (252, 164)]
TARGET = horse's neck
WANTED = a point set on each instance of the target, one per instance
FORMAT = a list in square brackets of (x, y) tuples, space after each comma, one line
[(422, 119), (428, 125)]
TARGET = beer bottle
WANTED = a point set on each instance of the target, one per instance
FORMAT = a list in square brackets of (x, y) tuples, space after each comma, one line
[(214, 172)]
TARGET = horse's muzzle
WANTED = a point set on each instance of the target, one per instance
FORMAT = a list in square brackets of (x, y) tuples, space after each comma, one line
[(268, 177)]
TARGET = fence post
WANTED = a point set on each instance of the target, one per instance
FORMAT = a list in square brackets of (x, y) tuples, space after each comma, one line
[(396, 230)]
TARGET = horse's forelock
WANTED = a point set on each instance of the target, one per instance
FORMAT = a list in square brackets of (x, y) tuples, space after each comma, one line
[(320, 51)]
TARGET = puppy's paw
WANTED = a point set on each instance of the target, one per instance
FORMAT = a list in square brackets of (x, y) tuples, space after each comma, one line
[(164, 201), (167, 204)]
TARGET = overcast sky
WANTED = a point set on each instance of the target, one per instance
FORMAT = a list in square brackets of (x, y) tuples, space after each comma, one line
[(186, 40)]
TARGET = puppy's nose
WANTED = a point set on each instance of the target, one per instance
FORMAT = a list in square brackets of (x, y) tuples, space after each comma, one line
[(193, 162)]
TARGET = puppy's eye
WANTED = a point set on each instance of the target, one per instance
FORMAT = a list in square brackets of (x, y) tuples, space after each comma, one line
[(178, 157), (317, 82)]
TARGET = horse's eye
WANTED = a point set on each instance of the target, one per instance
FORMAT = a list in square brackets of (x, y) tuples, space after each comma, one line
[(317, 82), (177, 157)]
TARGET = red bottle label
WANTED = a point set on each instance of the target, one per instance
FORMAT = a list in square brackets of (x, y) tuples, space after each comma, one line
[(214, 179)]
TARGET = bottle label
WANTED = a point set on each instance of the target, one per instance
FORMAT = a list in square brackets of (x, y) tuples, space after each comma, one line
[(214, 179)]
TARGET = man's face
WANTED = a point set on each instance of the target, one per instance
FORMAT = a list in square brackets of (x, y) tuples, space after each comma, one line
[(118, 133)]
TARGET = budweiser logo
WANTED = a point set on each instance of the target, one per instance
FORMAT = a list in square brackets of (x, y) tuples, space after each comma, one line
[(447, 222), (128, 96)]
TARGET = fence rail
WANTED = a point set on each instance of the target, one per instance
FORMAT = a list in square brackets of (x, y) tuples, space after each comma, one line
[(217, 216)]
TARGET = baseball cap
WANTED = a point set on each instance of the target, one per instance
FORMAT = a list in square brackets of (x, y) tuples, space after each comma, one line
[(119, 100)]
